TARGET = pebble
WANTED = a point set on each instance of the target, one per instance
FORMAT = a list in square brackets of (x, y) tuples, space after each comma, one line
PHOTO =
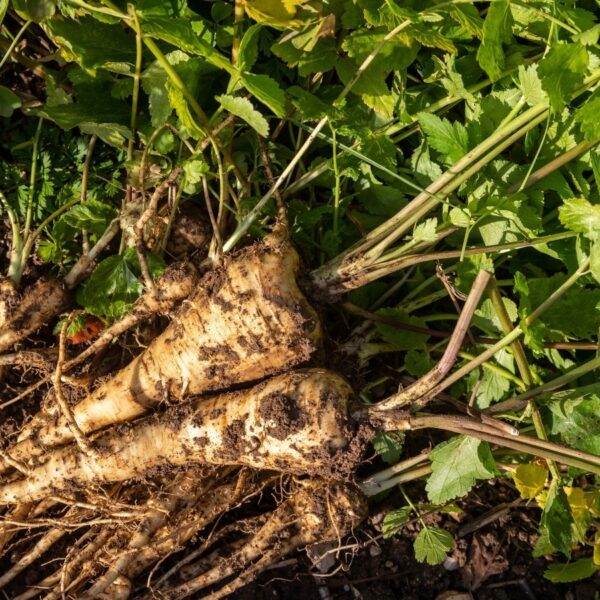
[(450, 564), (375, 550)]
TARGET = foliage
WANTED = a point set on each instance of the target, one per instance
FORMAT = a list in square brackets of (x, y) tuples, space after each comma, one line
[(494, 105)]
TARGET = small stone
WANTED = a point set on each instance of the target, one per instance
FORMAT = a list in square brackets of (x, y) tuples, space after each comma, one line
[(450, 564), (389, 564), (374, 550)]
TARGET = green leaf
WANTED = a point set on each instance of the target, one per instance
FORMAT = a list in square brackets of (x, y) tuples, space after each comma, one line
[(497, 30), (321, 58), (111, 289), (389, 445), (432, 545), (572, 571), (113, 286), (3, 9), (574, 416), (266, 90), (557, 519), (79, 115), (394, 521), (455, 467), (400, 338), (562, 71), (111, 133), (9, 101), (449, 139), (467, 16), (248, 50), (531, 85), (181, 34), (242, 108), (530, 479), (579, 215), (85, 41), (425, 231), (34, 10), (587, 117), (92, 215)]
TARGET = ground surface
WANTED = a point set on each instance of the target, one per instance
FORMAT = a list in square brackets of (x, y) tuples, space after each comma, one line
[(493, 563)]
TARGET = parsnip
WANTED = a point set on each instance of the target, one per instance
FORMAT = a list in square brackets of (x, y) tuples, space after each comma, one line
[(297, 422), (43, 300), (247, 320), (318, 511)]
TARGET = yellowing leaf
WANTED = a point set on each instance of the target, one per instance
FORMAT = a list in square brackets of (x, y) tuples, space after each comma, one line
[(530, 479), (596, 555), (577, 501), (276, 13)]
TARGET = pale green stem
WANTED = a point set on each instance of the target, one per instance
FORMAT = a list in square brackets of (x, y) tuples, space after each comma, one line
[(243, 227), (14, 42), (520, 402), (32, 178)]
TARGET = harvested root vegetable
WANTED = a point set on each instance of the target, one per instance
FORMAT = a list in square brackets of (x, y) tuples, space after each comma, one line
[(247, 320), (316, 512), (297, 422), (40, 302), (8, 299)]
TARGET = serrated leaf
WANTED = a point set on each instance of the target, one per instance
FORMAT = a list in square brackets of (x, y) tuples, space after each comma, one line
[(242, 108), (91, 215), (557, 519), (113, 286), (497, 30), (35, 10), (181, 34), (542, 546), (531, 85), (530, 479), (574, 415), (449, 139), (425, 231), (456, 465), (579, 215), (394, 521), (248, 50), (182, 108), (432, 545), (9, 102), (389, 445), (266, 90), (587, 118), (467, 16), (562, 71), (85, 41), (427, 36), (573, 571)]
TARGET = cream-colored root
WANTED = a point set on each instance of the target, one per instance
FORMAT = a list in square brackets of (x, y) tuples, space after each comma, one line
[(247, 320)]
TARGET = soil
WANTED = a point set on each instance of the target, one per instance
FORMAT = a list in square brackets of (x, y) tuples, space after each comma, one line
[(494, 562)]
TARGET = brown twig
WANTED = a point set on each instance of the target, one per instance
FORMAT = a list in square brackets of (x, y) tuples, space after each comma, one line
[(146, 216), (281, 208), (417, 394)]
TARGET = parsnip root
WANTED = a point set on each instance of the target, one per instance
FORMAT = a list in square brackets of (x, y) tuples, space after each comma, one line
[(40, 302), (297, 422), (247, 320), (317, 511)]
